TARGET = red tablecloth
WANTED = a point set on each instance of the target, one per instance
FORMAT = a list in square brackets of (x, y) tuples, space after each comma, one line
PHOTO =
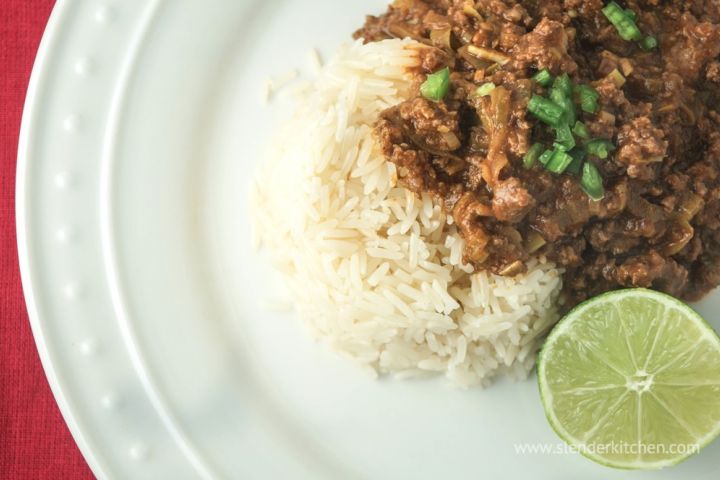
[(34, 441)]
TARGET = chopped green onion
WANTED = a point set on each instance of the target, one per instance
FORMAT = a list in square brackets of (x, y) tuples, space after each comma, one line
[(533, 155), (564, 139), (559, 162), (631, 14), (649, 43), (625, 25), (588, 97), (561, 94), (568, 106), (437, 85), (601, 148), (575, 167), (592, 182), (546, 110), (544, 78), (546, 156), (581, 130), (485, 89), (563, 85), (569, 109)]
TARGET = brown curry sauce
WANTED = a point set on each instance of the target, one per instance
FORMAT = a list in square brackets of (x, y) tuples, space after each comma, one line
[(658, 225)]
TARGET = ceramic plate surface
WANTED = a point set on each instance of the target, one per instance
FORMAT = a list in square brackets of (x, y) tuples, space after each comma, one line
[(142, 130)]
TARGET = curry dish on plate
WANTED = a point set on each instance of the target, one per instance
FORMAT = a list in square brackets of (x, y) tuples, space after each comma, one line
[(467, 172), (578, 130)]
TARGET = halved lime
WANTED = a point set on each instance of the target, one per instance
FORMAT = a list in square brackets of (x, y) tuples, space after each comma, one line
[(631, 379)]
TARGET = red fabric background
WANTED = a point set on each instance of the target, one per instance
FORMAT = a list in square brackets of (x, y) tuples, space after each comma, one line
[(34, 441)]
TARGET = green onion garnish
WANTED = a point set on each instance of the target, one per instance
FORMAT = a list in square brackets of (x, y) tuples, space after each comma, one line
[(546, 156), (601, 148), (561, 94), (625, 25), (544, 78), (631, 13), (485, 89), (546, 110), (570, 111), (649, 43), (559, 162), (588, 97), (581, 130), (437, 85), (592, 182), (575, 167), (563, 85), (564, 139), (533, 155)]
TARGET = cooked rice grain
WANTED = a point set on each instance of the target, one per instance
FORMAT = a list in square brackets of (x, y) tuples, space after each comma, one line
[(375, 272)]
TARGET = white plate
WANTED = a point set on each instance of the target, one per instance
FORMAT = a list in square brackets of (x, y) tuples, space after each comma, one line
[(141, 132)]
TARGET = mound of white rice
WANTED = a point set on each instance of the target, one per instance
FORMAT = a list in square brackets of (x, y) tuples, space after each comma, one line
[(373, 270)]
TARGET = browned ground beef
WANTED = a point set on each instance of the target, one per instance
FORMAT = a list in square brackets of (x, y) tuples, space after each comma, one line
[(659, 223)]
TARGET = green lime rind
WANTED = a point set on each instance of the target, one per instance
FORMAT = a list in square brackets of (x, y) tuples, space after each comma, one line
[(588, 361)]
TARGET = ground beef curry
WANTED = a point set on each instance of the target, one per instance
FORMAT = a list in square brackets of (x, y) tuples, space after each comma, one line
[(580, 130)]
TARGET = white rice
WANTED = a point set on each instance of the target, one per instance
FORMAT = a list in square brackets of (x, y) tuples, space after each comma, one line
[(373, 270)]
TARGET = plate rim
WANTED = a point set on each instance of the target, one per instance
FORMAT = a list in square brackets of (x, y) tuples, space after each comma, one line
[(38, 78)]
